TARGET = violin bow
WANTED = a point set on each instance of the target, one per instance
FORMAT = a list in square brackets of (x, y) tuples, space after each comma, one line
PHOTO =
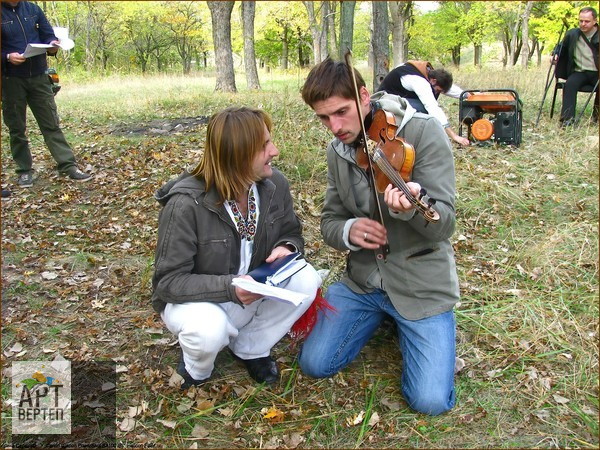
[(383, 250)]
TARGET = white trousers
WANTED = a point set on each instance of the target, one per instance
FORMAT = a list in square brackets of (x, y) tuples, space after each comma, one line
[(204, 328)]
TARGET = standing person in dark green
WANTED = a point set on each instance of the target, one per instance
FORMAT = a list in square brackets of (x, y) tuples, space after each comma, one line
[(24, 82)]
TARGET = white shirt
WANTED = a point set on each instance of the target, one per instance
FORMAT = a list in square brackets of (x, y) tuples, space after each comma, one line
[(247, 246), (422, 88)]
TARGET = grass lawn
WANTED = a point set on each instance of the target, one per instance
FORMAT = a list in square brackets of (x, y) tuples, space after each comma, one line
[(77, 262)]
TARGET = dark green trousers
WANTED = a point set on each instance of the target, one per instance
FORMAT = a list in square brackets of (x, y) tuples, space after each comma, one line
[(35, 92)]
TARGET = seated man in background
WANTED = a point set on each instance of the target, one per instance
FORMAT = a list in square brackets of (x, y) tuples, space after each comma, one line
[(576, 61), (421, 85), (224, 218)]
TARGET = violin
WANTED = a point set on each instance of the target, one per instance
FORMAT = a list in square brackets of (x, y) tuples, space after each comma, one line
[(394, 159)]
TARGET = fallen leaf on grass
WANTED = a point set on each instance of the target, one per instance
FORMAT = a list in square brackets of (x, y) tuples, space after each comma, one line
[(168, 423), (175, 380), (18, 347), (227, 412), (273, 414), (560, 399), (199, 432), (49, 275), (128, 424), (98, 304), (374, 420), (205, 405), (356, 419), (135, 410), (158, 408), (94, 404), (184, 406), (293, 440), (392, 405), (108, 386)]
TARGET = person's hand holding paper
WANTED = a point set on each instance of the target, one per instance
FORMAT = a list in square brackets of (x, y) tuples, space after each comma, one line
[(64, 41)]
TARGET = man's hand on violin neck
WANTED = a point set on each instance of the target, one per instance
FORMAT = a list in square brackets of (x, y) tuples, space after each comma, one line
[(368, 233), (396, 200)]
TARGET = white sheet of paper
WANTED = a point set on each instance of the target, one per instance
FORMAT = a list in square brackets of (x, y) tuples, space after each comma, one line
[(273, 292), (66, 43), (36, 49)]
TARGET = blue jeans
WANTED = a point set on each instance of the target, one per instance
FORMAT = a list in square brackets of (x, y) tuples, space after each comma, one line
[(428, 346)]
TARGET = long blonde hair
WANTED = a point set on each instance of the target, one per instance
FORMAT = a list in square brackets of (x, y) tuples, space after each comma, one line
[(234, 137)]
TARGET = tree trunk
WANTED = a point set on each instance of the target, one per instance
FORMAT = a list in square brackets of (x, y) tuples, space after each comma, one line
[(285, 47), (89, 59), (525, 36), (317, 31), (456, 55), (477, 51), (381, 46), (220, 12), (248, 13), (331, 13), (346, 27), (400, 14), (514, 39)]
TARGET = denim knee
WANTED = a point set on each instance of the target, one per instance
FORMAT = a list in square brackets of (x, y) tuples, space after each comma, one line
[(430, 403), (313, 367)]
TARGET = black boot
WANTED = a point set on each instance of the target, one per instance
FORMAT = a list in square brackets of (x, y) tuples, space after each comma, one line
[(188, 381), (262, 370)]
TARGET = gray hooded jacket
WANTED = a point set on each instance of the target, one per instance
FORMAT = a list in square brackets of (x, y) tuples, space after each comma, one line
[(420, 273)]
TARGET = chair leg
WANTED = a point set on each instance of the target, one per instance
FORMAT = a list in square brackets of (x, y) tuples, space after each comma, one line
[(587, 102), (553, 100)]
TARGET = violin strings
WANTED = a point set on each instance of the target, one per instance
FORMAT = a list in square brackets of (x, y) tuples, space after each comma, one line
[(387, 168)]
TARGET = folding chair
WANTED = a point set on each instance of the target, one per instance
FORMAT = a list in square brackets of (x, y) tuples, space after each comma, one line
[(560, 84)]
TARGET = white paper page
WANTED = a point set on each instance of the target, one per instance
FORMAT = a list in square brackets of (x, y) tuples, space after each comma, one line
[(36, 49), (273, 292)]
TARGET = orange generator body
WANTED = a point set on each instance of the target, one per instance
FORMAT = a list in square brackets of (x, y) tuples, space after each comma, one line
[(492, 115)]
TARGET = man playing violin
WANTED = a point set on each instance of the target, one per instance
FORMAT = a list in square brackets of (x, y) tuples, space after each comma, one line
[(414, 281)]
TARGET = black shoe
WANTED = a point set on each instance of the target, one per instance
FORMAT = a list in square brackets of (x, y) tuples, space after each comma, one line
[(25, 179), (188, 381), (77, 175), (262, 370)]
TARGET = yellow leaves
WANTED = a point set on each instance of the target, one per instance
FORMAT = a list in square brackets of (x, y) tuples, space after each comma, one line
[(272, 414), (356, 419)]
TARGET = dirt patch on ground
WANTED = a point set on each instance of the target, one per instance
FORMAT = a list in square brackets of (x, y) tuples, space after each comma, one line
[(162, 126)]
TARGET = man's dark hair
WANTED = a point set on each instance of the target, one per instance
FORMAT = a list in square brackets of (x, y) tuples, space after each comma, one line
[(589, 9), (329, 79), (443, 78)]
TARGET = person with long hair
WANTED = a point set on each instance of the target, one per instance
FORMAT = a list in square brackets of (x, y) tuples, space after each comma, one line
[(225, 217)]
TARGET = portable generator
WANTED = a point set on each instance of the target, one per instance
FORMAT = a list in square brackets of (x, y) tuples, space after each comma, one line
[(491, 115)]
